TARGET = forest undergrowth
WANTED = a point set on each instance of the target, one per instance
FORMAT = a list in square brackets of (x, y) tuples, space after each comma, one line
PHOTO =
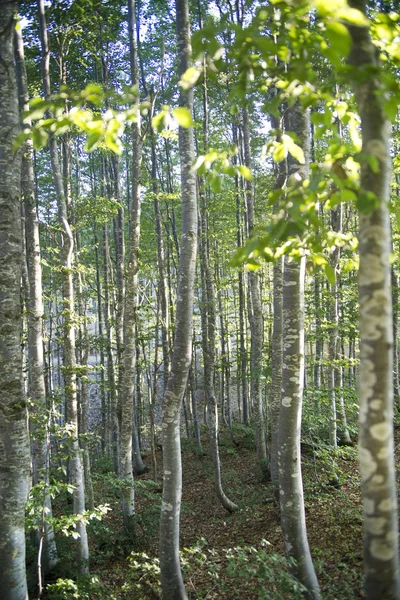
[(224, 556)]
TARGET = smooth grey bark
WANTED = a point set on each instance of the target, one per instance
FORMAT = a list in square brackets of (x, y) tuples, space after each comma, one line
[(242, 338), (333, 310), (381, 556), (162, 279), (289, 457), (48, 557), (171, 576), (101, 348), (69, 357), (119, 243), (208, 343), (343, 430), (14, 443), (242, 383), (208, 322), (196, 428), (276, 342), (276, 368), (255, 312), (113, 428), (395, 304)]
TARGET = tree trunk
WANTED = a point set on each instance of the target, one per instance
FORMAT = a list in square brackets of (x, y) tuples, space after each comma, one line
[(37, 387), (171, 576), (381, 557), (128, 423), (333, 309), (162, 279), (289, 457), (111, 379), (14, 456), (255, 315), (68, 311)]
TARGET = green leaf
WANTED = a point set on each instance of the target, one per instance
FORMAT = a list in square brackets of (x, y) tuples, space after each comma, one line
[(252, 264), (339, 38), (189, 78), (36, 110), (352, 15), (182, 116), (20, 139), (325, 8), (294, 149), (367, 202), (158, 121), (92, 141), (216, 184), (329, 273), (245, 172), (39, 138), (280, 152)]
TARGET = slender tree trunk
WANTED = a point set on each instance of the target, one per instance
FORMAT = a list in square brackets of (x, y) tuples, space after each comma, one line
[(395, 303), (14, 456), (208, 339), (111, 379), (68, 312), (119, 237), (336, 223), (255, 315), (289, 457), (276, 349), (208, 321), (381, 557), (37, 387), (196, 427), (103, 403), (276, 367), (129, 434), (162, 279), (171, 575)]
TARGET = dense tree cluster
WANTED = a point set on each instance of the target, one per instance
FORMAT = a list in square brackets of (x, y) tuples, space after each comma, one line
[(197, 224)]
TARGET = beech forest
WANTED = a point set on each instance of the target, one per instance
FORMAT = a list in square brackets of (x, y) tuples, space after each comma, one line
[(199, 299)]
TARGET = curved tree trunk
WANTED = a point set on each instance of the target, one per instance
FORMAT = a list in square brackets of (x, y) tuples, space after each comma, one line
[(208, 323), (171, 575), (14, 455), (289, 458), (381, 557)]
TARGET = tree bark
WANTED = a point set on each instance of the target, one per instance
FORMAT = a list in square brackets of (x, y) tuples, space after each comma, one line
[(289, 457), (171, 575), (255, 315), (129, 442), (37, 387), (69, 362), (381, 557), (14, 455)]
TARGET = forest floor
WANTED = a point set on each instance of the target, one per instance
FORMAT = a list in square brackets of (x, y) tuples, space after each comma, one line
[(225, 556)]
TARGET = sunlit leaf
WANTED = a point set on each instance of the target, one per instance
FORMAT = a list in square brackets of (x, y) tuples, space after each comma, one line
[(182, 116), (329, 272), (280, 152), (190, 78), (245, 172)]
